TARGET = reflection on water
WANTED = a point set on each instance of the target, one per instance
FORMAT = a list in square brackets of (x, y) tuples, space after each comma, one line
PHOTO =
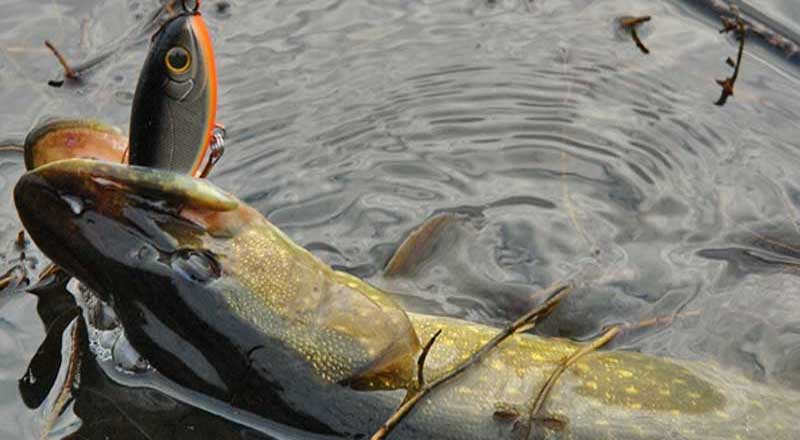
[(563, 149)]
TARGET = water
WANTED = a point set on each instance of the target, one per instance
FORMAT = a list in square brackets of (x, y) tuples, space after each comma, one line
[(564, 149)]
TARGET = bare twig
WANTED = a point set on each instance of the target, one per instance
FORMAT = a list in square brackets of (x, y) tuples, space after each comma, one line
[(630, 24), (423, 356), (49, 270), (536, 413), (69, 72), (558, 292), (536, 410), (14, 148), (727, 84)]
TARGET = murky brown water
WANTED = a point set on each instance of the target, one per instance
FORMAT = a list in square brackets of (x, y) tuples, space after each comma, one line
[(568, 152)]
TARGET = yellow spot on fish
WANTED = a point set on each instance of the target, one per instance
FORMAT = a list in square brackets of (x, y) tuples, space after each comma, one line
[(463, 390), (631, 390), (625, 374)]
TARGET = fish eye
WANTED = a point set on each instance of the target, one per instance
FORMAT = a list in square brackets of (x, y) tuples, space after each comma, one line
[(178, 60)]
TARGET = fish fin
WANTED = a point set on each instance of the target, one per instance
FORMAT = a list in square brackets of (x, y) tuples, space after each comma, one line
[(418, 245)]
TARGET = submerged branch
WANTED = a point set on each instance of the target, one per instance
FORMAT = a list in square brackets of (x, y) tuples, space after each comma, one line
[(558, 292)]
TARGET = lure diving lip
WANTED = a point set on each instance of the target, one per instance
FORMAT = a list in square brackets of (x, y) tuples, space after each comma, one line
[(173, 119)]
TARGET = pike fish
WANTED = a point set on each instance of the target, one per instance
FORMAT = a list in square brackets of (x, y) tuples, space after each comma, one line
[(221, 301)]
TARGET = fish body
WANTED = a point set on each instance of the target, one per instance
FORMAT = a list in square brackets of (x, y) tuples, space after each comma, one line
[(221, 301)]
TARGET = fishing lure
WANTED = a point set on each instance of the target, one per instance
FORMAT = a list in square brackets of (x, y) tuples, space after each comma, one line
[(173, 119)]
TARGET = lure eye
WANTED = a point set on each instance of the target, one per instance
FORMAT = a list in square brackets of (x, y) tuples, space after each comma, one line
[(178, 60)]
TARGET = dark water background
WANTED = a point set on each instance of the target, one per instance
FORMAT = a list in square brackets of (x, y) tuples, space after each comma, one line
[(567, 152)]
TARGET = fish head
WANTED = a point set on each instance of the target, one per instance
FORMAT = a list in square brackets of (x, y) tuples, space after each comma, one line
[(208, 291), (94, 218), (148, 242)]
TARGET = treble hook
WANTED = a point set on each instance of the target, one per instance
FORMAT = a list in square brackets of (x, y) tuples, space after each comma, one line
[(188, 8)]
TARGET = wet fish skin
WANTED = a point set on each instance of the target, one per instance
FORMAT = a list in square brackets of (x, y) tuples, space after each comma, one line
[(220, 300)]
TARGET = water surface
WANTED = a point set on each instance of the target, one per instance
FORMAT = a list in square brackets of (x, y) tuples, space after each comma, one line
[(566, 152)]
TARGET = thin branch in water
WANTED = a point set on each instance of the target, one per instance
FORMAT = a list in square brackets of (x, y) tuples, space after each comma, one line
[(14, 148), (659, 320), (737, 25), (423, 356), (630, 24), (536, 414), (69, 72), (49, 270), (24, 49), (526, 327), (73, 72), (558, 292)]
